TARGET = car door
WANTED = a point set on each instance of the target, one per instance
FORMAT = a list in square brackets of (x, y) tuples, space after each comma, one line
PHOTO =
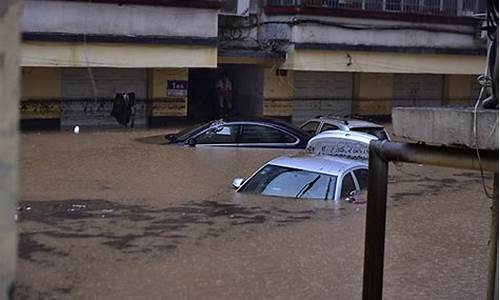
[(224, 135), (260, 135)]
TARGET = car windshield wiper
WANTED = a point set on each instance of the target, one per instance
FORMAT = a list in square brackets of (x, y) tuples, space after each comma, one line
[(307, 187)]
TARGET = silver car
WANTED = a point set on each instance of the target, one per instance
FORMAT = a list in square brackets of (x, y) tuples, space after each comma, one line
[(323, 123), (307, 176)]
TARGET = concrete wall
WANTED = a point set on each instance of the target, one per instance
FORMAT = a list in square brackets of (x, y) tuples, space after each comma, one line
[(418, 37), (9, 114), (41, 93), (162, 104), (117, 55), (101, 18), (451, 36), (382, 62), (373, 94)]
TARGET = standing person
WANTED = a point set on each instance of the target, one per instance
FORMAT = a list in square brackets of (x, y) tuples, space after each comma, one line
[(224, 91)]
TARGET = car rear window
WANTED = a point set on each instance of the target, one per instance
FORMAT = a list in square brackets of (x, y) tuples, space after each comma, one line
[(310, 127), (375, 131)]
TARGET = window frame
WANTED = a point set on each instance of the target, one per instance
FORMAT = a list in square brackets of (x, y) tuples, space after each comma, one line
[(235, 144), (241, 144), (341, 182), (320, 125), (358, 186), (326, 123)]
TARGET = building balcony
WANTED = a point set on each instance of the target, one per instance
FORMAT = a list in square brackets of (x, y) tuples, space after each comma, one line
[(216, 4), (439, 8)]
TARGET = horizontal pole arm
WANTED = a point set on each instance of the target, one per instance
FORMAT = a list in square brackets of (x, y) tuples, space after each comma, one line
[(437, 155)]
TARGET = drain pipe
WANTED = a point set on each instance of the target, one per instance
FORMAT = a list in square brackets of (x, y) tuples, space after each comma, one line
[(381, 153)]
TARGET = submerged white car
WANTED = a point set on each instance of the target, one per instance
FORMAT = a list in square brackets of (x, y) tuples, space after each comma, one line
[(336, 167), (323, 123), (307, 177)]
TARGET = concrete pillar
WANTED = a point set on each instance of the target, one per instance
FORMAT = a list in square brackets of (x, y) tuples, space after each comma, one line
[(10, 11)]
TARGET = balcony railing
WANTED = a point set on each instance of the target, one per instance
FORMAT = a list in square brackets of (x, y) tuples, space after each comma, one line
[(425, 7)]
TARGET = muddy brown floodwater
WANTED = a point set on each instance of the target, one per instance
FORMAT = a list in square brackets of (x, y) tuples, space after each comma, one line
[(115, 215)]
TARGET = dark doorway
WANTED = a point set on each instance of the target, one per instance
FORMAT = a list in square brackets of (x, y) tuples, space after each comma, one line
[(202, 105), (248, 88)]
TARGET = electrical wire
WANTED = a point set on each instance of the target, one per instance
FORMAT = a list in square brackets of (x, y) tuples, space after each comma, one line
[(296, 21), (85, 53), (484, 80)]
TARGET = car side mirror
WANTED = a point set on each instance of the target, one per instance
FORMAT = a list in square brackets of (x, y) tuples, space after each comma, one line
[(237, 182), (191, 142)]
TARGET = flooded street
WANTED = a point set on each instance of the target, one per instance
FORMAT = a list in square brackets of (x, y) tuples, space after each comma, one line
[(116, 216)]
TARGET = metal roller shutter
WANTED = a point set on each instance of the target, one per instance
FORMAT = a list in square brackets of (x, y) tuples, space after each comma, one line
[(79, 107), (321, 93), (417, 90)]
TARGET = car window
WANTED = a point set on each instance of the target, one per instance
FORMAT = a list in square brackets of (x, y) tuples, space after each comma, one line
[(293, 183), (327, 126), (226, 134), (190, 131), (362, 177), (376, 131), (310, 127), (347, 186), (262, 134)]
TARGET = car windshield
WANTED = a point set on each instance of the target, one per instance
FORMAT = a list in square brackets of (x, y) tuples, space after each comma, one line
[(375, 131), (188, 132), (293, 183)]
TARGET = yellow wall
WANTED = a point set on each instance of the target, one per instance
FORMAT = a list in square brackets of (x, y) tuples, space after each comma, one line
[(40, 93), (163, 105), (41, 83), (383, 62), (458, 89), (372, 94), (269, 62), (278, 93), (52, 54)]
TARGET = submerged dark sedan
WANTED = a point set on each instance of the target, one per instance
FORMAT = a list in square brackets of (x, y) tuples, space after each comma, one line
[(258, 133)]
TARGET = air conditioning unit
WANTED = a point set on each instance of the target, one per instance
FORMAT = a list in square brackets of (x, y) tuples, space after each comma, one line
[(236, 8)]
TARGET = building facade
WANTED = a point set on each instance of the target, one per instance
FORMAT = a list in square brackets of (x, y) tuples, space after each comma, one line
[(290, 59)]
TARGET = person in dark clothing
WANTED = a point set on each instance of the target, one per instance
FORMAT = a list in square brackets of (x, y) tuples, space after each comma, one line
[(123, 109), (224, 92)]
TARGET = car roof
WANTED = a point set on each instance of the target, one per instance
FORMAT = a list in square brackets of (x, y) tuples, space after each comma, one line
[(351, 123), (338, 135), (317, 163)]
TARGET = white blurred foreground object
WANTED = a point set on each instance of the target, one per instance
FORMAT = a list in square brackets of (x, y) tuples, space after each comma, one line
[(76, 129)]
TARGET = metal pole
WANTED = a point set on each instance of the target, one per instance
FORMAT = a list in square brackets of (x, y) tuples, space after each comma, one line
[(493, 251), (381, 152), (375, 224), (439, 156)]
